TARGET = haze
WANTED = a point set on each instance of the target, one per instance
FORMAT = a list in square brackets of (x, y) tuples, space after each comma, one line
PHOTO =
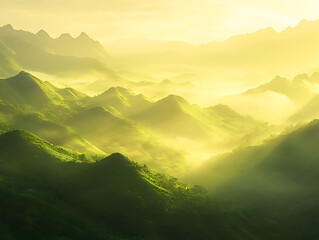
[(190, 21)]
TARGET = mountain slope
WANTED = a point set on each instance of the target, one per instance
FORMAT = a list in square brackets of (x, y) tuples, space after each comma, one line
[(274, 100), (307, 112), (65, 56), (27, 89), (285, 166), (277, 181), (121, 101), (110, 199), (56, 133), (176, 117)]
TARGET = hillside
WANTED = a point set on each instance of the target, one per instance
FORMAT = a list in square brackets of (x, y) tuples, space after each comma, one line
[(33, 105), (27, 89), (121, 101), (274, 100), (68, 57), (281, 176), (176, 117), (51, 186)]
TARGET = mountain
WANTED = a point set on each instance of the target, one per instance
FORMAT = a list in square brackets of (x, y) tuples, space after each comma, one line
[(277, 180), (176, 117), (27, 89), (71, 58), (121, 101), (267, 48), (239, 63), (43, 185), (95, 120), (9, 66), (308, 111), (66, 45), (274, 100), (33, 105), (295, 90), (236, 122), (55, 132)]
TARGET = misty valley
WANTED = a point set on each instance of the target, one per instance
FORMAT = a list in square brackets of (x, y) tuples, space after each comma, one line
[(149, 139)]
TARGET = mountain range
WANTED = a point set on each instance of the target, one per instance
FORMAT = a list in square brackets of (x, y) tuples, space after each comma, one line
[(49, 192), (97, 125), (101, 160)]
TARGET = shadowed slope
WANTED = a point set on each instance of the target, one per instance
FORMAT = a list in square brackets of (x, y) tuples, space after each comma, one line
[(110, 199)]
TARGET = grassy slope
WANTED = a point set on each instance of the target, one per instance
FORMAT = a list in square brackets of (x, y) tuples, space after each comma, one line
[(27, 89), (39, 107)]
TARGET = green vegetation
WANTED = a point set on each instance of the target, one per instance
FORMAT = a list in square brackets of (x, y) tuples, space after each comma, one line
[(48, 192), (254, 150), (275, 181)]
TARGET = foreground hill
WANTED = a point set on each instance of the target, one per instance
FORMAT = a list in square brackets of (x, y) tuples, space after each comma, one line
[(278, 180), (43, 185)]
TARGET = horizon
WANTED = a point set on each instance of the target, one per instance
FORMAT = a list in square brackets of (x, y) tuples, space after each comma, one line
[(192, 23), (77, 35)]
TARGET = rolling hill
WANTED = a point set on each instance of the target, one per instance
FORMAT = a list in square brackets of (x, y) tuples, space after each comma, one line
[(113, 198), (121, 101), (176, 117), (27, 89), (277, 180)]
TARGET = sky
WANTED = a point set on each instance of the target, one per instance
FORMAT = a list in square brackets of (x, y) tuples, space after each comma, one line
[(192, 21)]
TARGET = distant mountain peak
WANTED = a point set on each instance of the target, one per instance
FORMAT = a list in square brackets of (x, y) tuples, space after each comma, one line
[(115, 158), (266, 30), (8, 27), (173, 97), (42, 34), (23, 74), (304, 22), (118, 91), (84, 36), (17, 134), (65, 36)]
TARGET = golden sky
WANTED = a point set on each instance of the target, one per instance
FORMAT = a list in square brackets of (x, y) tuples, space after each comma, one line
[(193, 21)]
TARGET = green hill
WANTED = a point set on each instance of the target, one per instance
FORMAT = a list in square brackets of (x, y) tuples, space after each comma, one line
[(56, 133), (27, 89), (176, 117), (276, 181), (49, 192), (105, 130), (121, 101)]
